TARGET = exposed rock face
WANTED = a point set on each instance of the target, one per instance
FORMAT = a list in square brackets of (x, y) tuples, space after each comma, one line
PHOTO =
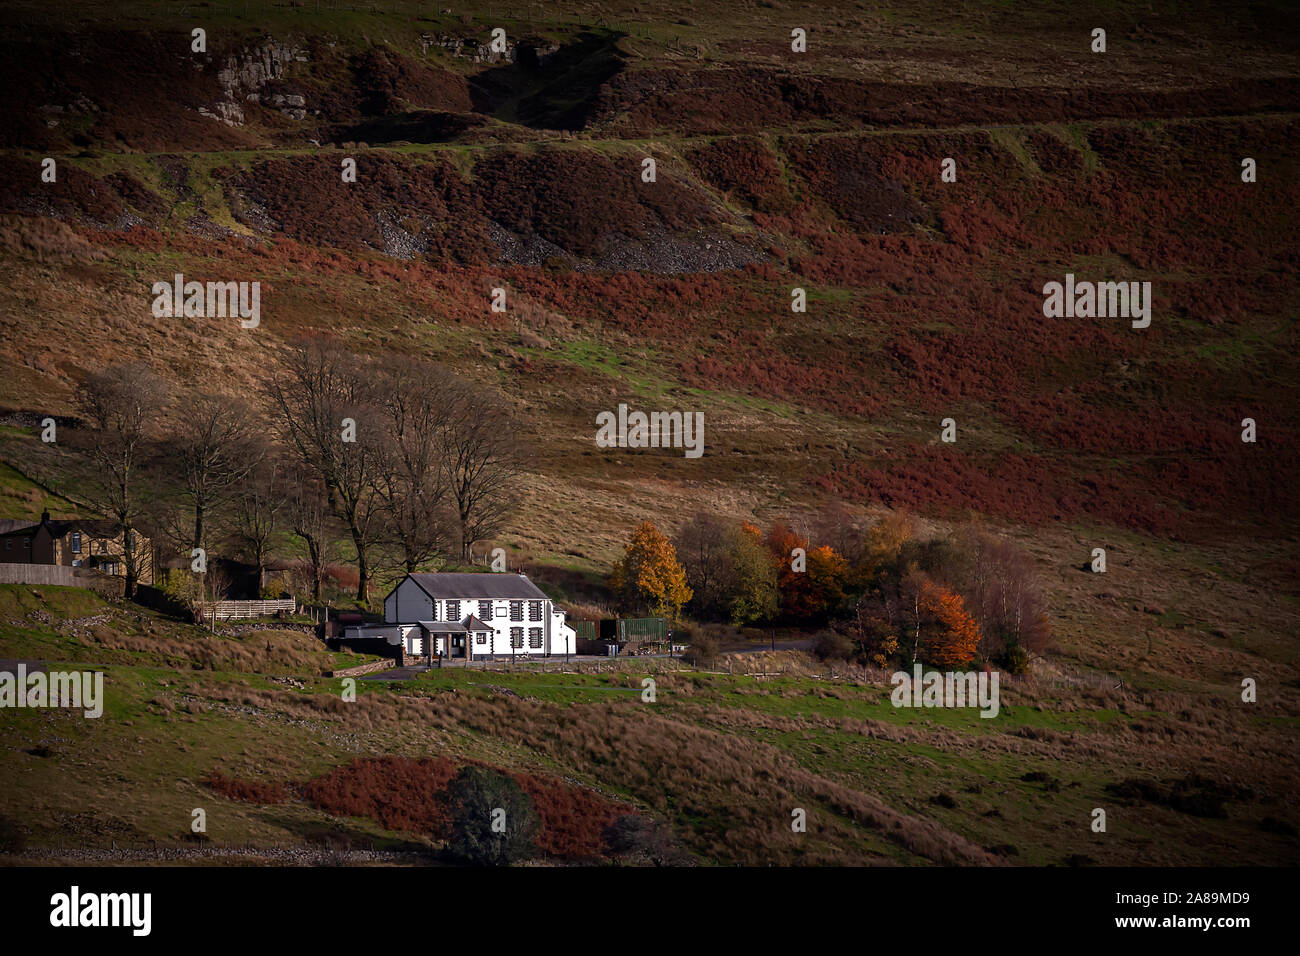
[(470, 49), (251, 69), (229, 113), (247, 72)]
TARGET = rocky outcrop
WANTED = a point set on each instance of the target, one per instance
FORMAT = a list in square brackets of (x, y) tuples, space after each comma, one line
[(247, 72), (467, 48)]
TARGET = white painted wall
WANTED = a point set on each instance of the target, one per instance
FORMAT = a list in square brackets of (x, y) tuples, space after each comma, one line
[(409, 603), (563, 637)]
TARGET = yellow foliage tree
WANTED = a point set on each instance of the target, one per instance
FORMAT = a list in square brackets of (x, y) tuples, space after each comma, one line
[(650, 571), (884, 539)]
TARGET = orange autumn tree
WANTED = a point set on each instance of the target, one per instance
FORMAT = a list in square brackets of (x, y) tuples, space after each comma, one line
[(815, 586), (827, 575), (651, 574), (791, 585), (953, 638)]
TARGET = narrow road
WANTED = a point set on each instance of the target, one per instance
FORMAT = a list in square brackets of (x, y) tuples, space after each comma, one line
[(803, 645), (410, 671)]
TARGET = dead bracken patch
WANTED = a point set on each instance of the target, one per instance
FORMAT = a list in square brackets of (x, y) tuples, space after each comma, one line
[(406, 794)]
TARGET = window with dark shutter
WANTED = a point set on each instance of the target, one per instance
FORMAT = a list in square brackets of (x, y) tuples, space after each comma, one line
[(534, 610), (516, 610), (485, 611), (535, 638), (453, 610), (516, 637)]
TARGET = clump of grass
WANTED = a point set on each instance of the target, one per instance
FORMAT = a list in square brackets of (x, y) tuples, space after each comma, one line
[(1195, 795)]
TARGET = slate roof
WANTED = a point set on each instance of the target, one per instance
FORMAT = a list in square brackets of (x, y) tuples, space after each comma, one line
[(470, 623), (95, 527), (98, 528), (485, 586)]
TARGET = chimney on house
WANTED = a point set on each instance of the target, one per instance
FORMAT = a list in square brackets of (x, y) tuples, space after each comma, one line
[(45, 516)]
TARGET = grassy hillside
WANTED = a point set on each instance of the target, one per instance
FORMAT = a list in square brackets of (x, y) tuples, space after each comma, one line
[(722, 758)]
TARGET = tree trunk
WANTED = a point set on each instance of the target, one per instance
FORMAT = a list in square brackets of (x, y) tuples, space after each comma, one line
[(363, 577), (198, 526), (363, 566), (128, 559), (317, 571), (916, 640)]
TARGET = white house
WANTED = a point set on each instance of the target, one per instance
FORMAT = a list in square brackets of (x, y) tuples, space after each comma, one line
[(476, 615)]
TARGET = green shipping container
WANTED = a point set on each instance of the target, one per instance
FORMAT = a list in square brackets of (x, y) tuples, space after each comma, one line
[(642, 629)]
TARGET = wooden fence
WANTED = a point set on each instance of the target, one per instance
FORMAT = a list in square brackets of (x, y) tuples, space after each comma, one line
[(59, 575), (228, 610)]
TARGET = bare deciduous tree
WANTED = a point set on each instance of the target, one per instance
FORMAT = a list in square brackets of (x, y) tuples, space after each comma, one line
[(322, 385), (308, 514), (257, 507), (414, 398), (122, 405), (483, 458), (214, 447), (1003, 596), (703, 546)]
